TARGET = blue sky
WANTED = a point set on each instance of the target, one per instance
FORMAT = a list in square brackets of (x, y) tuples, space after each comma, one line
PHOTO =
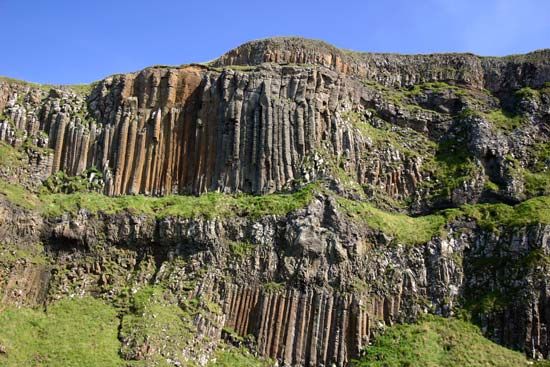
[(75, 41)]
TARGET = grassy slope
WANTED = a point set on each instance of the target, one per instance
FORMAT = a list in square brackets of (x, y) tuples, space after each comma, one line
[(234, 357), (417, 230), (84, 333), (210, 205), (440, 342), (77, 332), (405, 229)]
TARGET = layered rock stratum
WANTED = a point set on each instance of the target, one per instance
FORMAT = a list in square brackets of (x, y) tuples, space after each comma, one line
[(289, 198)]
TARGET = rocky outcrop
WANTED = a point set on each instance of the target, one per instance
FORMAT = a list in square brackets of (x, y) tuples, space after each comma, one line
[(256, 128), (310, 287), (314, 286), (393, 70)]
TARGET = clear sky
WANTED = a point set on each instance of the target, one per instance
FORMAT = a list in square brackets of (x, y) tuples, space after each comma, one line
[(75, 41)]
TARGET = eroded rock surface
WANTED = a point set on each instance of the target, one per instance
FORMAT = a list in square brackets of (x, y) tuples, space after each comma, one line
[(382, 138)]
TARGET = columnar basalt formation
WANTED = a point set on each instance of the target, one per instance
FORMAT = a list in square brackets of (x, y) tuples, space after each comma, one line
[(407, 168), (398, 70), (196, 128), (321, 312), (306, 328)]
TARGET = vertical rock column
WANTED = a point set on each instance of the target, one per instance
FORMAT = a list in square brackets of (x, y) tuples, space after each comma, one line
[(308, 328)]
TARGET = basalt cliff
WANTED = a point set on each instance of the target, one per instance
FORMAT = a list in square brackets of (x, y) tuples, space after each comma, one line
[(288, 202)]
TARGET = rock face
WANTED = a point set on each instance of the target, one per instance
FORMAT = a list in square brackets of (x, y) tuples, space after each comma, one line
[(394, 70), (253, 128), (392, 135), (312, 289)]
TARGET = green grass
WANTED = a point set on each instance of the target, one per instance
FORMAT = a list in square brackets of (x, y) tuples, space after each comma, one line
[(527, 93), (228, 356), (490, 185), (381, 137), (406, 229), (437, 87), (76, 88), (504, 120), (18, 195), (9, 156), (34, 253), (60, 182), (450, 167), (493, 216), (241, 68), (83, 332), (210, 205), (5, 79), (438, 342), (273, 287), (73, 332), (537, 176), (541, 154), (241, 249), (417, 230), (537, 183), (155, 320), (83, 89), (378, 136)]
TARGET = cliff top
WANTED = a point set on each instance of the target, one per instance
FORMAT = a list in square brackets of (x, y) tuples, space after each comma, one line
[(397, 70), (313, 45), (390, 69)]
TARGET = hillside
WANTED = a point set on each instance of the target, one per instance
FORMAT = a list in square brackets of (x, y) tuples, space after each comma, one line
[(289, 202)]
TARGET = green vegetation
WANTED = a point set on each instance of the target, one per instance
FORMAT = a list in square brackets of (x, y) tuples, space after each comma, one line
[(501, 119), (537, 183), (241, 249), (87, 181), (378, 136), (406, 229), (482, 302), (405, 97), (527, 93), (242, 68), (493, 216), (228, 356), (83, 89), (44, 87), (76, 88), (504, 120), (33, 254), (156, 320), (210, 205), (394, 96), (490, 185), (18, 195), (84, 332), (72, 332), (273, 287), (541, 153), (451, 167), (384, 137), (9, 156), (438, 342), (436, 87), (416, 230), (537, 178)]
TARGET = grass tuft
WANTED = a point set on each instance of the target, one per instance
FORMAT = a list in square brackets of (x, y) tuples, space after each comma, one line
[(438, 342)]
